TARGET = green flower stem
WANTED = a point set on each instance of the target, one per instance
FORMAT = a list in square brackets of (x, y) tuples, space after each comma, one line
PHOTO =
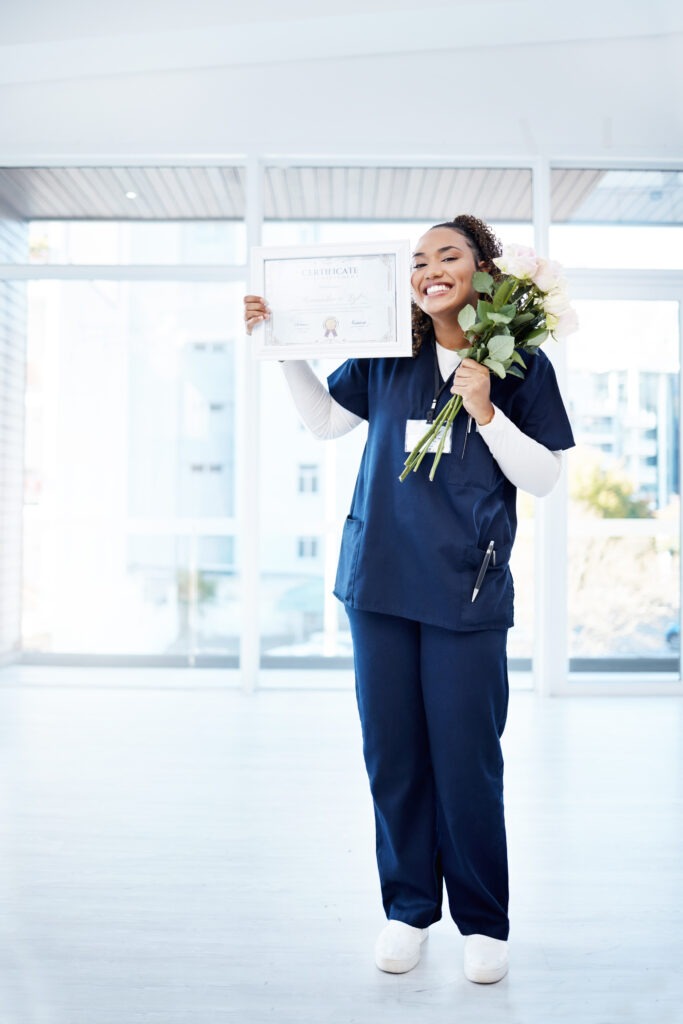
[(433, 429), (422, 446), (444, 420), (454, 405)]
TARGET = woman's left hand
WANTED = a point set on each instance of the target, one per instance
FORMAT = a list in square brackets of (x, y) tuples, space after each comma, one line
[(473, 382)]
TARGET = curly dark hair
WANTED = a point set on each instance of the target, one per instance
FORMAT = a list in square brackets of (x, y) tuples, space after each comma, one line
[(484, 245)]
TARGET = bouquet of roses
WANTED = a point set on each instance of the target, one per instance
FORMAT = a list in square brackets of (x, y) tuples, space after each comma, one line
[(522, 307)]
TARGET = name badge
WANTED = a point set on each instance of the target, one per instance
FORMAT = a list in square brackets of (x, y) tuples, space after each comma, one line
[(416, 429)]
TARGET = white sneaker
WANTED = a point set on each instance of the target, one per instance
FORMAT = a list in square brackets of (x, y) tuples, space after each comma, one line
[(486, 959), (397, 949)]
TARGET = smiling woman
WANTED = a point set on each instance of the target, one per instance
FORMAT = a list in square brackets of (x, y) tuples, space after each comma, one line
[(431, 645)]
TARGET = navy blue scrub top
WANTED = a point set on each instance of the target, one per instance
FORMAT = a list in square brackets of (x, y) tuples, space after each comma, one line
[(414, 549)]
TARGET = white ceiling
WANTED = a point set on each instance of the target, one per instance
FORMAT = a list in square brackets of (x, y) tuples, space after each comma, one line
[(41, 40), (35, 21), (157, 81)]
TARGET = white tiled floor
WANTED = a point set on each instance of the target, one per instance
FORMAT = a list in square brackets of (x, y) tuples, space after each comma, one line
[(176, 854)]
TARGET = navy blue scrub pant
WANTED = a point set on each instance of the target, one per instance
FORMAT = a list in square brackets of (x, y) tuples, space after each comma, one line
[(433, 704)]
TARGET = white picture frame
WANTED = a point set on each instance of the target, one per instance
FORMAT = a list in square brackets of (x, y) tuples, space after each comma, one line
[(333, 301)]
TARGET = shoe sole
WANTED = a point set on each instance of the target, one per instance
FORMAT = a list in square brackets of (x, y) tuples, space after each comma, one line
[(401, 966), (398, 966), (482, 976)]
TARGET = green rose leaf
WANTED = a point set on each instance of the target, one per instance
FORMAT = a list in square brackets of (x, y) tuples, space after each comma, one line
[(518, 359), (504, 290), (467, 317), (537, 336), (495, 367), (501, 347), (515, 372), (483, 310), (499, 318), (535, 343), (482, 282)]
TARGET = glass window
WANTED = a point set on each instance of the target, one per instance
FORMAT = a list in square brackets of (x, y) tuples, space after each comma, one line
[(308, 479), (617, 219), (301, 531), (323, 232), (130, 468), (136, 242), (307, 547), (624, 600)]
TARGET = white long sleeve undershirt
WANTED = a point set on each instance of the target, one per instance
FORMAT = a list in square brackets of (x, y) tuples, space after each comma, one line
[(526, 463)]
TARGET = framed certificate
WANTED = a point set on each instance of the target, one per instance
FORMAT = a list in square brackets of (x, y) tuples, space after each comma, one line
[(333, 300)]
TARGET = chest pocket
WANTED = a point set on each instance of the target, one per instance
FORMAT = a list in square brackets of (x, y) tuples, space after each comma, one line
[(470, 463)]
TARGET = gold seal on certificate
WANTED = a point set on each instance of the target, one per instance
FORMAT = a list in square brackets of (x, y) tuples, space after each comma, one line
[(330, 301)]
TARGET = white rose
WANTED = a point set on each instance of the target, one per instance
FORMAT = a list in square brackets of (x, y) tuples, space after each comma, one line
[(555, 302), (548, 276), (518, 260), (566, 323)]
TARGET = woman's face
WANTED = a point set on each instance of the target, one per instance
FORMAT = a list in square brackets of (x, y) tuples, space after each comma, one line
[(442, 269)]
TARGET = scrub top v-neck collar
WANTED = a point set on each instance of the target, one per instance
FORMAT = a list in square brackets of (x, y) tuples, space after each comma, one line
[(449, 360)]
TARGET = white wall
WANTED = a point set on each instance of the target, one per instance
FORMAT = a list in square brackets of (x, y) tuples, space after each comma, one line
[(592, 98)]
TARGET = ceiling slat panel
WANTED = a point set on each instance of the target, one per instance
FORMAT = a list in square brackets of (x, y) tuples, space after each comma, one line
[(269, 204), (388, 177), (12, 192), (368, 192), (463, 185), (338, 193), (174, 191), (443, 200), (584, 186), (110, 188), (569, 189), (235, 178), (354, 177), (282, 197), (54, 182), (90, 185), (232, 184), (486, 198), (151, 190), (212, 209), (314, 191), (438, 202), (520, 196), (97, 190), (413, 189), (192, 202), (45, 193), (158, 192), (297, 190)]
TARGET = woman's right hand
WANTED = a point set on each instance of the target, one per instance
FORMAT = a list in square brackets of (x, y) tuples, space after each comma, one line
[(255, 311)]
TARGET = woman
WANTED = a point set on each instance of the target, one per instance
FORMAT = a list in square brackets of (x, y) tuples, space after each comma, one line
[(429, 645)]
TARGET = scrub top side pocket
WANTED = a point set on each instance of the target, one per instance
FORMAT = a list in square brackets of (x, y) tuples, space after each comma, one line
[(348, 559), (493, 607)]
